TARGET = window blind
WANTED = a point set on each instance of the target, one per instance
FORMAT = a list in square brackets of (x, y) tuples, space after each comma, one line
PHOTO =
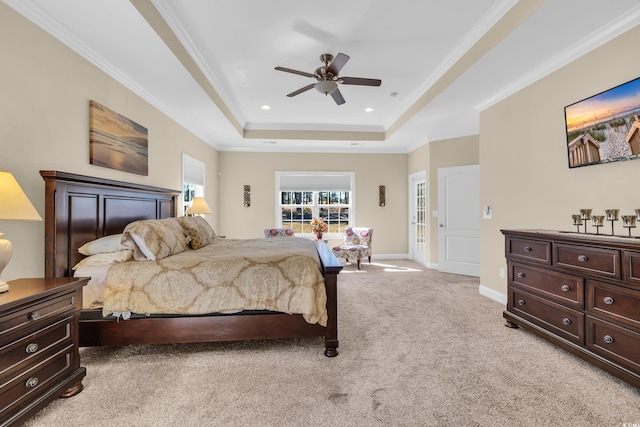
[(315, 181)]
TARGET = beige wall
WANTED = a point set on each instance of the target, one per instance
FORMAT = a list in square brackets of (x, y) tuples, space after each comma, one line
[(524, 172), (258, 171), (44, 104), (430, 157)]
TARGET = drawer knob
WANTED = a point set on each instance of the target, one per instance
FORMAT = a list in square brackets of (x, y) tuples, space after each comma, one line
[(566, 321), (565, 288), (31, 348), (527, 249), (608, 300), (520, 302), (521, 275), (582, 258), (32, 382), (608, 339), (35, 315)]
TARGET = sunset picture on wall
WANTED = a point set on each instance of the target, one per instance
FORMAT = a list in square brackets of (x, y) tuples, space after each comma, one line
[(117, 142)]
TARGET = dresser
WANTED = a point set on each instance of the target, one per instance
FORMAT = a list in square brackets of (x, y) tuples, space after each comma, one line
[(39, 358), (579, 291)]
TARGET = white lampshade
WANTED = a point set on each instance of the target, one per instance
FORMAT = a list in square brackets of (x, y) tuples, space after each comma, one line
[(14, 205), (198, 206)]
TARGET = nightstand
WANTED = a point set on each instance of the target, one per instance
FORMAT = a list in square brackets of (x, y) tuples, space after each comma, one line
[(39, 358)]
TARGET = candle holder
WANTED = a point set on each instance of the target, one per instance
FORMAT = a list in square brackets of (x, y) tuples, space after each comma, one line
[(577, 220), (638, 214), (629, 221), (585, 214), (597, 221), (612, 215)]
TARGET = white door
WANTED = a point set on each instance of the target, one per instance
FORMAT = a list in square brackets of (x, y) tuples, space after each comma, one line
[(459, 220), (418, 217)]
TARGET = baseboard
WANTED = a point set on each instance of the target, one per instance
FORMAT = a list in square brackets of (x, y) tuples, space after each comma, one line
[(432, 266), (493, 294), (389, 256)]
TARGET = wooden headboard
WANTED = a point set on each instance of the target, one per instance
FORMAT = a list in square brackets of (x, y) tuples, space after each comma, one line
[(80, 208)]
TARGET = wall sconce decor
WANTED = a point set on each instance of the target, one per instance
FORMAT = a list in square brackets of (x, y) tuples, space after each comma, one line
[(247, 196), (381, 196)]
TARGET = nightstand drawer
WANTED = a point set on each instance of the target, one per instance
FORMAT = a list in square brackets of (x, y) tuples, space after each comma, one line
[(614, 342), (31, 346), (560, 287), (35, 315), (32, 381), (614, 302), (531, 250), (598, 261), (562, 320)]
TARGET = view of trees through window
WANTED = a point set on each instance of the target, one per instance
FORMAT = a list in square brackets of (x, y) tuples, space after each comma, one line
[(300, 207)]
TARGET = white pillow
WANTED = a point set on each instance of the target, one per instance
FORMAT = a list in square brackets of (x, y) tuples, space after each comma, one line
[(105, 258), (103, 245)]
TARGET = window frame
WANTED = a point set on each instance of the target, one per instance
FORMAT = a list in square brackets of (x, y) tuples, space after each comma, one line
[(191, 167), (315, 206)]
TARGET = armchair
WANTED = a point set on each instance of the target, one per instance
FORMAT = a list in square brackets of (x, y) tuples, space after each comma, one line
[(357, 244), (278, 232)]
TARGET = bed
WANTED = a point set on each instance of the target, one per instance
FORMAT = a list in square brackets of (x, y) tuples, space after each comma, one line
[(79, 209)]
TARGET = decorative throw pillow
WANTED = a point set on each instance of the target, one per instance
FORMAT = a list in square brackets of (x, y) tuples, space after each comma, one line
[(198, 229), (102, 245), (154, 239)]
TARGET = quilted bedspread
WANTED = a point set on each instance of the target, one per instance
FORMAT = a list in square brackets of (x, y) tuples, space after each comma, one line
[(228, 275)]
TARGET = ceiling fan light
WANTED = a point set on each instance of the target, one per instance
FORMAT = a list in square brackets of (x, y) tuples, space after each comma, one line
[(326, 86)]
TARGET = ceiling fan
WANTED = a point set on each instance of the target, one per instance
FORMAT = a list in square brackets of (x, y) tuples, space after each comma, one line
[(328, 77)]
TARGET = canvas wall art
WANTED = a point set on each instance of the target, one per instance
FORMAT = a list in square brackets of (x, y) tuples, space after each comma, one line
[(604, 127), (117, 142)]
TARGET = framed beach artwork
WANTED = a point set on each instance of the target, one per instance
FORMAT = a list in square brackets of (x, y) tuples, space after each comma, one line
[(117, 142), (604, 127)]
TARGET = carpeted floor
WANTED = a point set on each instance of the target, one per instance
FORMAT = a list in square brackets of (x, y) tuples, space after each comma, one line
[(417, 348)]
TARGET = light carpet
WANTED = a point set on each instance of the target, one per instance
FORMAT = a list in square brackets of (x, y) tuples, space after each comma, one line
[(417, 348)]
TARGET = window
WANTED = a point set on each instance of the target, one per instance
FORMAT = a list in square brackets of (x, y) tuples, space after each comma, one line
[(192, 180), (303, 196)]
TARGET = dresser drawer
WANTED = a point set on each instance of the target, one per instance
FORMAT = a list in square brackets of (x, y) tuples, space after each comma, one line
[(614, 342), (599, 261), (554, 317), (31, 382), (35, 315), (33, 345), (631, 267), (614, 302), (560, 287), (528, 249)]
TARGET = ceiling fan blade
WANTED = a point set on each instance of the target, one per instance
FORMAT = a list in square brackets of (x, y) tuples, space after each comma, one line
[(337, 96), (337, 63), (303, 89), (301, 73), (360, 81)]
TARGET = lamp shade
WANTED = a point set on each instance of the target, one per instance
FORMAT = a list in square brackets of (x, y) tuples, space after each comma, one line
[(14, 204), (198, 206)]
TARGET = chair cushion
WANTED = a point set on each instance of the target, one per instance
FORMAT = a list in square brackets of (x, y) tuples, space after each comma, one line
[(352, 251)]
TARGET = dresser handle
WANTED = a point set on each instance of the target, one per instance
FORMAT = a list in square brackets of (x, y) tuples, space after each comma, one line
[(582, 258), (32, 382), (527, 249), (520, 302), (521, 275), (35, 315), (566, 321), (565, 288), (608, 300), (608, 339), (32, 348)]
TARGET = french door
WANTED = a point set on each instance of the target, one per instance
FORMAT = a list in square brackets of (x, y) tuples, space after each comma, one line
[(418, 217)]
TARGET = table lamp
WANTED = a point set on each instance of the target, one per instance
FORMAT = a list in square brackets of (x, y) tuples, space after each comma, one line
[(198, 206), (14, 205)]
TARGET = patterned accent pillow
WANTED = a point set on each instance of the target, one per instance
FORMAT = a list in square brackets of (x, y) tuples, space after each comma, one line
[(154, 239), (199, 231)]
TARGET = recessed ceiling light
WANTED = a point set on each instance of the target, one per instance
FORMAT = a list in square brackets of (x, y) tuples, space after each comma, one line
[(368, 109), (266, 107), (268, 142)]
